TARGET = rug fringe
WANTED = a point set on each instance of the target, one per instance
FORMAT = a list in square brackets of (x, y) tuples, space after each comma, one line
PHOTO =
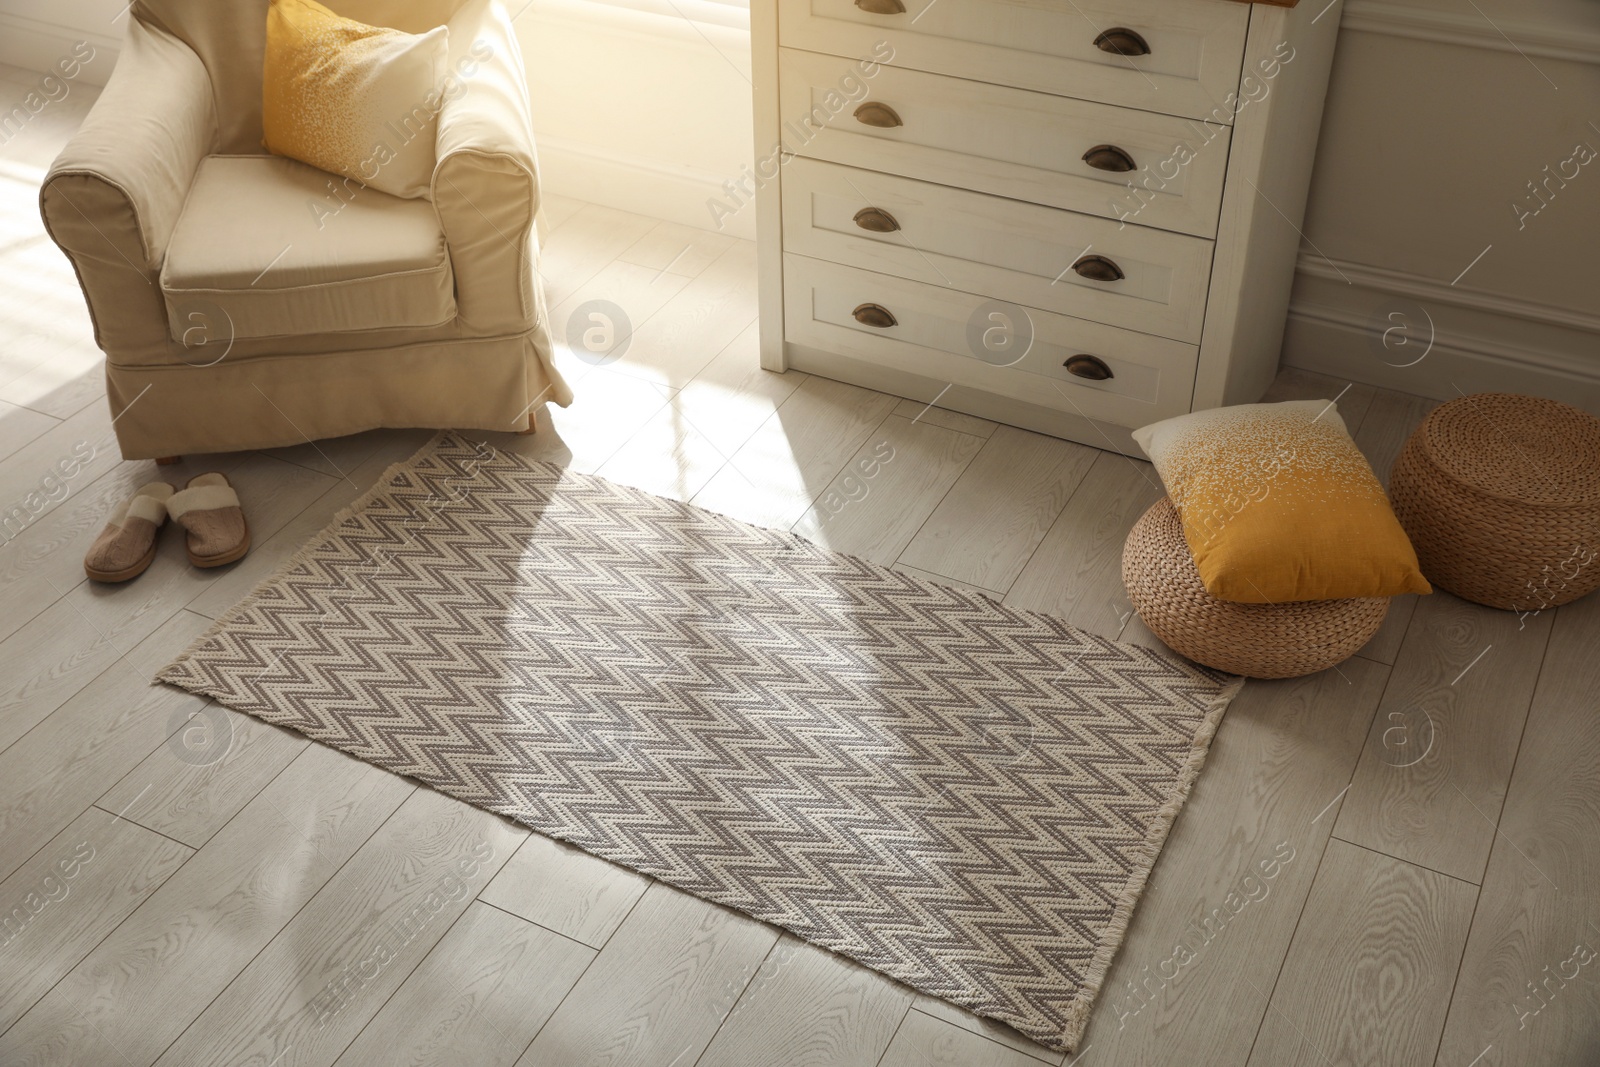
[(1077, 1013)]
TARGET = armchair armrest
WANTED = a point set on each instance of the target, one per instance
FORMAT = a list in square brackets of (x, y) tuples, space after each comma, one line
[(486, 181), (114, 193)]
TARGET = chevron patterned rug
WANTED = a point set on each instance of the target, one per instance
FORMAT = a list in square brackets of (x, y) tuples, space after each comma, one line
[(963, 796)]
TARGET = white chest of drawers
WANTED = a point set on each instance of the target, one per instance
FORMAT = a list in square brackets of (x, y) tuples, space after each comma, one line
[(1076, 216)]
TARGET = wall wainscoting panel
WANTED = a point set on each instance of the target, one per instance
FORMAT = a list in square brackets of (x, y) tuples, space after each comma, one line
[(1423, 336), (1449, 233)]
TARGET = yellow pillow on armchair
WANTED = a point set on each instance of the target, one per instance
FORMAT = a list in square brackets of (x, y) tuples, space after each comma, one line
[(357, 100), (1279, 505)]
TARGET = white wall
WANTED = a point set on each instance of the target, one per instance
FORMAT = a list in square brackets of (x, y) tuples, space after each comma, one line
[(35, 33), (648, 111), (1439, 115)]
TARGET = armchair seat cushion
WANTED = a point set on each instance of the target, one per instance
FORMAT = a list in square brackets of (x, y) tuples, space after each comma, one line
[(269, 247)]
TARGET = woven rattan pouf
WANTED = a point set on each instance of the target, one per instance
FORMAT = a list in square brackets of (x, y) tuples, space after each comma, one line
[(1500, 495), (1257, 640)]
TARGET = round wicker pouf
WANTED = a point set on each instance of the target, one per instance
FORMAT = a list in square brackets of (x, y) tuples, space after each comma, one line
[(1500, 495), (1256, 640)]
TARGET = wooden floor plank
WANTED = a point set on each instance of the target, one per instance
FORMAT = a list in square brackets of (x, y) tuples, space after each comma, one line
[(1191, 981), (554, 210), (667, 456), (1389, 421), (91, 625), (609, 409), (730, 399), (1434, 771), (567, 890), (796, 453), (677, 249), (137, 991), (50, 364), (204, 774), (45, 559), (308, 994), (53, 368), (808, 1008), (1385, 644), (940, 579), (677, 342), (688, 441), (635, 294), (1529, 987), (74, 892), (659, 989), (991, 1029), (43, 474), (1076, 572), (20, 426), (60, 767), (1368, 977), (590, 239), (924, 1041), (887, 490), (479, 997), (1353, 400), (918, 411), (985, 531)]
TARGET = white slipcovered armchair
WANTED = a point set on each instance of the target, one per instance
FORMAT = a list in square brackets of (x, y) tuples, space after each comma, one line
[(245, 300)]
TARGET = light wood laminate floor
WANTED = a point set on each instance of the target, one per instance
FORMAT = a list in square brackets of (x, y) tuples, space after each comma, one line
[(185, 885)]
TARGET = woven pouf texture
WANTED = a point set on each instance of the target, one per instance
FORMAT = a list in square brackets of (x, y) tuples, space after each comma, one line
[(1500, 495), (1256, 640)]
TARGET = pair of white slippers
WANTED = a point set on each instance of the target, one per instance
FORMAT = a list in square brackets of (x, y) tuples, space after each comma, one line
[(207, 508)]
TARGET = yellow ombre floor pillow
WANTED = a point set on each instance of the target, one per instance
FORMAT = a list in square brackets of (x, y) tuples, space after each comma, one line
[(1279, 505), (357, 100)]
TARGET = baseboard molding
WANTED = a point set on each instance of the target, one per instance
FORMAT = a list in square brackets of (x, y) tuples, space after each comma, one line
[(1473, 30), (646, 187), (1434, 292), (36, 45), (1462, 340)]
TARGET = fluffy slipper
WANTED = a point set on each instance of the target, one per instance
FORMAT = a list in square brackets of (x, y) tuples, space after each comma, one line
[(208, 509), (128, 543)]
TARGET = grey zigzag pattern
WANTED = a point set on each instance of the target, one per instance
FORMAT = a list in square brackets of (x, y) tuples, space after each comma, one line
[(958, 794)]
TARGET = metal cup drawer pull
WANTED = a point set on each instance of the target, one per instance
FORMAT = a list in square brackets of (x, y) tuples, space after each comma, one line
[(1098, 268), (883, 116), (1105, 157), (876, 219), (1119, 40), (875, 315), (1091, 367), (882, 7)]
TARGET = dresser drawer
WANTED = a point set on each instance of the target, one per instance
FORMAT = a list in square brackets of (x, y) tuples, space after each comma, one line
[(1011, 142), (1194, 47), (998, 248), (935, 333)]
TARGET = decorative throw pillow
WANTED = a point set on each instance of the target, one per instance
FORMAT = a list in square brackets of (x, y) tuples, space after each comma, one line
[(353, 99), (1278, 504)]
